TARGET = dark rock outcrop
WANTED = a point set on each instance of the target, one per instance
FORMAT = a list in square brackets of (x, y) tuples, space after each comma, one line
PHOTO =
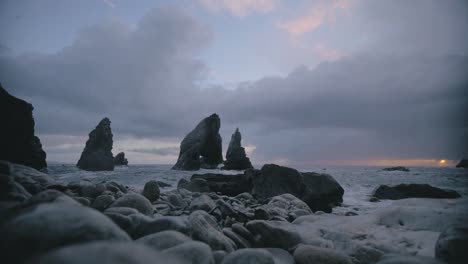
[(202, 147), (17, 140), (322, 191), (97, 154), (120, 160), (451, 245), (236, 159), (397, 168), (230, 185), (463, 163), (403, 191)]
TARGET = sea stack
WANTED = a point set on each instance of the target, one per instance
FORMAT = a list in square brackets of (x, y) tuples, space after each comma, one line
[(120, 160), (97, 154), (236, 159), (17, 140), (463, 164), (202, 147)]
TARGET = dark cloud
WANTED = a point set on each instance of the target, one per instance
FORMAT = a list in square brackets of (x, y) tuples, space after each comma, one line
[(370, 105)]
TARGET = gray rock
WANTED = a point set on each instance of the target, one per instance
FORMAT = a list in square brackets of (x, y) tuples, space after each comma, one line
[(236, 159), (405, 259), (306, 254), (92, 190), (136, 201), (164, 240), (195, 185), (403, 191), (243, 232), (452, 244), (397, 168), (106, 252), (276, 234), (151, 190), (102, 202), (249, 256), (120, 160), (218, 256), (205, 229), (145, 227), (83, 201), (202, 147), (202, 202), (45, 226), (31, 179), (463, 163), (97, 154), (230, 185), (322, 191), (194, 252), (280, 256), (284, 205), (237, 239)]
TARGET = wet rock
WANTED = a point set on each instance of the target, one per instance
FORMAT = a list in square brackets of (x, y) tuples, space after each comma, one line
[(397, 168), (243, 232), (163, 184), (276, 234), (164, 240), (230, 185), (102, 202), (120, 160), (284, 206), (97, 154), (403, 191), (280, 256), (236, 159), (151, 190), (463, 163), (398, 259), (136, 201), (92, 190), (144, 226), (218, 256), (206, 229), (202, 202), (249, 256), (17, 140), (202, 147), (31, 179), (451, 245), (195, 185), (45, 226), (322, 191), (306, 254), (237, 239), (194, 252)]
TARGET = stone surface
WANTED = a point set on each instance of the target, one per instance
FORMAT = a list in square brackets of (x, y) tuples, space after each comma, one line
[(230, 185), (236, 159), (463, 163), (452, 245), (206, 229), (164, 240), (17, 140), (249, 256), (120, 160), (135, 201), (48, 225), (405, 259), (274, 234), (322, 192), (194, 252), (202, 202), (306, 254), (403, 191), (102, 202), (97, 154), (145, 226), (202, 147), (195, 185), (286, 206), (151, 190)]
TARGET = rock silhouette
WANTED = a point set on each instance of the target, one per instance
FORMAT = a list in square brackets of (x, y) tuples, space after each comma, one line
[(463, 164), (236, 159), (17, 139), (97, 155), (120, 159), (202, 147)]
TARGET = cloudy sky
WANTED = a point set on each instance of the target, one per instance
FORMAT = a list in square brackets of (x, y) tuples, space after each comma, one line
[(328, 82)]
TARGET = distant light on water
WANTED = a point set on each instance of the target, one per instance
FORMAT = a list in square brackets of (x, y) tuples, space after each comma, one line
[(442, 162)]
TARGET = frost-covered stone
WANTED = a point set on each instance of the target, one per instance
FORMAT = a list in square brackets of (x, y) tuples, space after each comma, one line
[(205, 229), (274, 234)]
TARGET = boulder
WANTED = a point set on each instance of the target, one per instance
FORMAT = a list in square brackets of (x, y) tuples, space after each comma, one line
[(195, 185), (17, 140), (145, 226), (136, 201), (97, 154), (240, 241), (164, 240), (397, 168), (194, 252), (202, 202), (120, 160), (322, 191), (230, 185), (463, 163), (305, 254), (403, 191), (451, 246), (48, 225), (102, 202), (249, 256), (218, 256), (399, 259), (280, 256), (205, 229), (277, 234), (105, 252), (273, 180), (151, 190), (202, 147), (236, 159)]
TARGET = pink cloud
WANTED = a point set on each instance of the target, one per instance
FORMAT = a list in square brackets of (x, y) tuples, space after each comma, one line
[(303, 24), (240, 7)]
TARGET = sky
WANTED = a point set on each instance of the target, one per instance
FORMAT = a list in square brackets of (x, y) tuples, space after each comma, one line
[(316, 82)]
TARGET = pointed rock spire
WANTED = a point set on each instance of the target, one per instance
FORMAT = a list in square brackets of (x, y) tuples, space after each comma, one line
[(236, 159), (97, 154)]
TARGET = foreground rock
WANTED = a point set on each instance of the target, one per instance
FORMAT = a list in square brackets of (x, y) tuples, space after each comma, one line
[(236, 159), (230, 185), (120, 160), (136, 201), (405, 259), (164, 240), (97, 154), (397, 168), (17, 140), (202, 147), (403, 191), (205, 229), (151, 190), (322, 192), (451, 247), (463, 163), (305, 254), (249, 256)]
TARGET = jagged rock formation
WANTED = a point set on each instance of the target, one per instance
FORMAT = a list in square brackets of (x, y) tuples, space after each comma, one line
[(413, 190), (202, 147), (463, 164), (17, 140), (120, 159), (397, 168), (97, 154), (236, 159)]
